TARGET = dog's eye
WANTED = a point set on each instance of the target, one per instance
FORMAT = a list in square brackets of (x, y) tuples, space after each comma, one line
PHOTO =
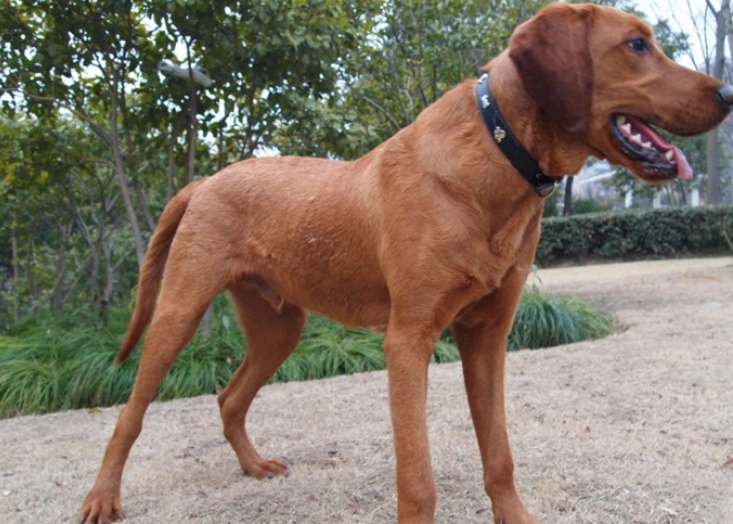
[(638, 45)]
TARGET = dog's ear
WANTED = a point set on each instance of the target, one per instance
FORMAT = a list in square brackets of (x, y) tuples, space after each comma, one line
[(551, 54)]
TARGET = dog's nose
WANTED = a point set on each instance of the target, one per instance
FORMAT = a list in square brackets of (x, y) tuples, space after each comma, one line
[(725, 94)]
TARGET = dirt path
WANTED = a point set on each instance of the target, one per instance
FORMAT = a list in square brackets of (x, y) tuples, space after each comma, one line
[(631, 429)]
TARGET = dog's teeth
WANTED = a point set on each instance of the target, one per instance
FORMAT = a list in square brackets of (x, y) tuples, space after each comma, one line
[(636, 139), (670, 156), (620, 120), (626, 129), (646, 145)]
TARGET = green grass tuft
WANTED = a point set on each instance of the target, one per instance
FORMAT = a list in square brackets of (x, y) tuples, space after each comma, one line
[(543, 321)]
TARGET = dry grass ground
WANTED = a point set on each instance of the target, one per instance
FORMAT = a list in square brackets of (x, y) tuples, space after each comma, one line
[(632, 429)]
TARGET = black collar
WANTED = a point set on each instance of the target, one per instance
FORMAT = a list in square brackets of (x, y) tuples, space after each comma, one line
[(499, 130)]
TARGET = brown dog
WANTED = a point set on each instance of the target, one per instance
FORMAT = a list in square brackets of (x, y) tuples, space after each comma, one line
[(433, 228)]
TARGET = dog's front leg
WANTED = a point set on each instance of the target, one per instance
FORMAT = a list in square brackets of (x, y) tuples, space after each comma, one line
[(408, 352), (481, 337)]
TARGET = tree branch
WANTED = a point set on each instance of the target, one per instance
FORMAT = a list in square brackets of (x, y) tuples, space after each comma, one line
[(384, 112), (123, 258), (143, 203), (78, 112)]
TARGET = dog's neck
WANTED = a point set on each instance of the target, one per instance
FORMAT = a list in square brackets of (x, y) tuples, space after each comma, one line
[(557, 153)]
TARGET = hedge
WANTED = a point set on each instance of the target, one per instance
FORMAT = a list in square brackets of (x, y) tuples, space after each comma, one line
[(636, 234)]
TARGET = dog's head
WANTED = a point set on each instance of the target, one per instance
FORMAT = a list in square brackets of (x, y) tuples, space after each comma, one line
[(599, 76)]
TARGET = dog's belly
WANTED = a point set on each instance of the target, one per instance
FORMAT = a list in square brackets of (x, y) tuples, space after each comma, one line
[(361, 307), (333, 272), (351, 294), (354, 311)]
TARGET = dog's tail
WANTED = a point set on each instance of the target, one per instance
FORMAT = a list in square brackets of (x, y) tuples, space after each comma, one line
[(151, 272)]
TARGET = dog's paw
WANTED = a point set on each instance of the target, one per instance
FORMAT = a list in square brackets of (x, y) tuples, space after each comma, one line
[(520, 516), (266, 469), (100, 508), (530, 521)]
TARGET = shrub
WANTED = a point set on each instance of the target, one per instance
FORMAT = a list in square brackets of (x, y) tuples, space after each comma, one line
[(658, 233), (551, 321), (55, 363)]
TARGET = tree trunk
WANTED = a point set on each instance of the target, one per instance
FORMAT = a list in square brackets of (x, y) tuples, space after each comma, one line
[(57, 293), (144, 204), (96, 247), (193, 122), (29, 273), (175, 130), (568, 201), (108, 283), (713, 196), (118, 163), (16, 277), (129, 207), (193, 129)]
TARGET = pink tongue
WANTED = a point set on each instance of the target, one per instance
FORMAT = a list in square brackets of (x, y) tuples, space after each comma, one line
[(683, 166)]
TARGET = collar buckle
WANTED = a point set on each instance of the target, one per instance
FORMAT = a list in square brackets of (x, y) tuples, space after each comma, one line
[(546, 190)]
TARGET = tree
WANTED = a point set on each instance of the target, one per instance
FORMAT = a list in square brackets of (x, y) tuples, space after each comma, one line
[(722, 29), (95, 64), (65, 222), (268, 61), (424, 48), (98, 61), (709, 56), (415, 52), (83, 58)]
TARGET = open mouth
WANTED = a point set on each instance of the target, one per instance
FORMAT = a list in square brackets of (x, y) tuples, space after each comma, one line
[(638, 141)]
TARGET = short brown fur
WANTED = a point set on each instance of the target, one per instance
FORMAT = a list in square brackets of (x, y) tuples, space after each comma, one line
[(434, 228)]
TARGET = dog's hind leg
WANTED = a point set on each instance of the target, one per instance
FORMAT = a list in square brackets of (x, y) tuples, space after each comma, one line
[(273, 332), (190, 285)]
